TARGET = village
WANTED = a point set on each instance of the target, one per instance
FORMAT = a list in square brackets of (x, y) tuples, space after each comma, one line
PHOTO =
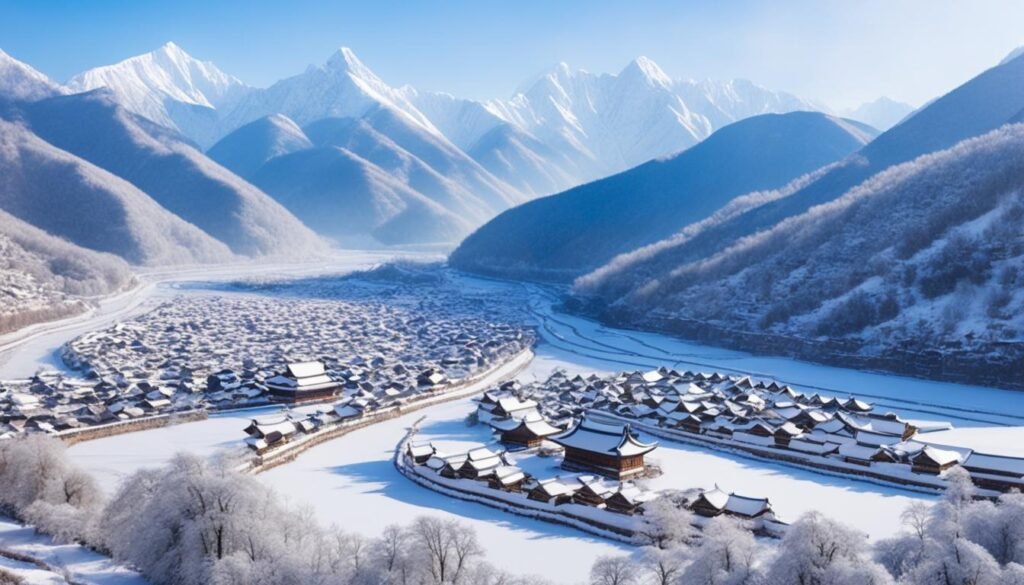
[(740, 414), (213, 352)]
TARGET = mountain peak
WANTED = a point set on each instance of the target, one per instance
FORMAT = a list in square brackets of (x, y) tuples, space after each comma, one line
[(21, 81), (345, 59), (648, 70)]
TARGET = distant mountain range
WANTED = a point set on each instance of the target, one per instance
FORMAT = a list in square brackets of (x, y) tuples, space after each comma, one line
[(909, 246), (564, 236)]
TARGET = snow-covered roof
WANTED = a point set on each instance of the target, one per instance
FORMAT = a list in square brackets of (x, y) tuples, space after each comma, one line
[(744, 506), (996, 463), (306, 369), (939, 456), (604, 438)]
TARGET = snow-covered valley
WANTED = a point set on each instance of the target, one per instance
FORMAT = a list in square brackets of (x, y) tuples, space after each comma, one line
[(351, 480)]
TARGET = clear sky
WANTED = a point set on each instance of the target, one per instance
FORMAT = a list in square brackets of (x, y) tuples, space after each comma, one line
[(837, 52)]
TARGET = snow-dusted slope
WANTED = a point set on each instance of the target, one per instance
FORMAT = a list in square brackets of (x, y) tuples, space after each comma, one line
[(20, 82), (359, 136), (926, 255), (980, 105), (180, 178), (169, 87), (883, 113), (75, 200), (245, 150), (351, 200), (41, 276), (565, 235)]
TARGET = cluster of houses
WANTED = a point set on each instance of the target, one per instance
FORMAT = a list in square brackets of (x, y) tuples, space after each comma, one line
[(759, 415), (491, 467), (225, 352)]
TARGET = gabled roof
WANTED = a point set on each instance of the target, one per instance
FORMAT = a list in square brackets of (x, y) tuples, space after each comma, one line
[(609, 439), (1000, 464), (306, 369)]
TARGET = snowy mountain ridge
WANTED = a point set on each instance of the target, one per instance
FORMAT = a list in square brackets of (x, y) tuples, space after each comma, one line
[(564, 128), (158, 84)]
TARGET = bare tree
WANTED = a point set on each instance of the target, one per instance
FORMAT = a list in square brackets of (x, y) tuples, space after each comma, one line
[(613, 571)]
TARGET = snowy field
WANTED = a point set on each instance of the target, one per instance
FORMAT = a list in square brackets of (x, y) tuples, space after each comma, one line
[(352, 482)]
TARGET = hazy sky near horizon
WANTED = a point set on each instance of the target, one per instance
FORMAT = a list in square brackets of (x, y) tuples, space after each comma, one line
[(840, 53)]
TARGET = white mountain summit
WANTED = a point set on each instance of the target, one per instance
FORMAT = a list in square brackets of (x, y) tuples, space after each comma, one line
[(170, 87)]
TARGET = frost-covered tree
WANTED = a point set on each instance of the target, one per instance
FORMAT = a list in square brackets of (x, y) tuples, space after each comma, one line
[(613, 571), (726, 555), (42, 487), (666, 524), (820, 551), (448, 548), (663, 566)]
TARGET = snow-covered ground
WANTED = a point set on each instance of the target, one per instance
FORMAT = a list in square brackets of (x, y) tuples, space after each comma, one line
[(351, 481), (79, 564)]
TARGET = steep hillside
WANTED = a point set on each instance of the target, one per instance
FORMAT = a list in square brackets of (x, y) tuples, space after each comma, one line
[(43, 277), (350, 200), (179, 177), (245, 150), (420, 160), (75, 200), (565, 235), (927, 255), (982, 104)]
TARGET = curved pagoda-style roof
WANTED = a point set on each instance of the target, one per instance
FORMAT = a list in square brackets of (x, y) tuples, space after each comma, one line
[(608, 439)]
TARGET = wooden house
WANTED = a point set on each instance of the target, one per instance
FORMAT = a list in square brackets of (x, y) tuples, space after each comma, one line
[(628, 499), (612, 449), (507, 478), (554, 491), (530, 431), (933, 460), (302, 382)]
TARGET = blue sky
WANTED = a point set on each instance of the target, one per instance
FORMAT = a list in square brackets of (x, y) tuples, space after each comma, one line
[(837, 52)]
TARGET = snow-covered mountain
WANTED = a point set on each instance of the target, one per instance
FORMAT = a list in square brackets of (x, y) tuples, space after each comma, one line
[(351, 200), (20, 82), (180, 178), (245, 150), (43, 277), (563, 236), (882, 113), (982, 104), (84, 204), (343, 87), (169, 87), (925, 256), (565, 128)]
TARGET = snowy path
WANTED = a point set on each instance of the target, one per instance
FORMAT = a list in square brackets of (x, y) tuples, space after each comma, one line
[(80, 564)]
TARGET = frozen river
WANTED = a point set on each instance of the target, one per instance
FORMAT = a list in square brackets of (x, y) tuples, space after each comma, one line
[(352, 482)]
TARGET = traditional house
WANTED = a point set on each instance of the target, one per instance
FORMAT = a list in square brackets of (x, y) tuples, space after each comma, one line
[(710, 503), (933, 460), (609, 449), (480, 463), (530, 431), (554, 491), (512, 407), (420, 452), (998, 472), (594, 491), (302, 382), (507, 478), (266, 433), (628, 499)]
